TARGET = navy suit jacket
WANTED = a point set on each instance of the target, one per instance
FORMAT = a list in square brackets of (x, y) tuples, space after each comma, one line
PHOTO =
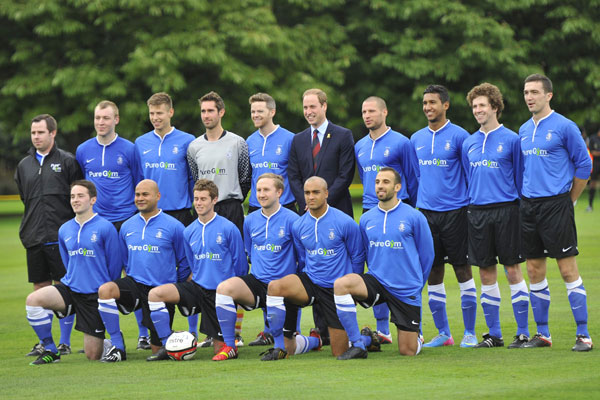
[(335, 164)]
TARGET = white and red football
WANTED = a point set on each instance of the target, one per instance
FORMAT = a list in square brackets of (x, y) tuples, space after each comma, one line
[(181, 346)]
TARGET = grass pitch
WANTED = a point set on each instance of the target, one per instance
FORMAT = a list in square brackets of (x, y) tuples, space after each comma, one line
[(449, 372)]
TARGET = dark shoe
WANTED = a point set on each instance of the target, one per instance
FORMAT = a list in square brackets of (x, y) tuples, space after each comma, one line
[(64, 349), (47, 357), (538, 340), (583, 343), (375, 344), (160, 355), (262, 339), (353, 352), (114, 355), (36, 351), (273, 354), (207, 342), (489, 341), (143, 343), (519, 341)]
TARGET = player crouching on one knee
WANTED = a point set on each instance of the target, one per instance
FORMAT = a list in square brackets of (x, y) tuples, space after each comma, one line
[(399, 250), (89, 248)]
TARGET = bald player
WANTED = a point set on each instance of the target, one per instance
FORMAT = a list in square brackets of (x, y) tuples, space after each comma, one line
[(153, 254), (330, 242)]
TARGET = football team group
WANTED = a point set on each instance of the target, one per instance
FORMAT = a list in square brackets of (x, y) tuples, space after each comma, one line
[(143, 227)]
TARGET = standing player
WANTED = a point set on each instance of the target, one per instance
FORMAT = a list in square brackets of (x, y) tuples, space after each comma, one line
[(89, 247), (443, 199), (556, 169), (383, 147), (108, 160), (161, 155), (331, 244), (270, 247), (215, 248), (153, 254), (492, 160), (594, 147), (222, 157), (43, 178), (269, 148), (399, 251)]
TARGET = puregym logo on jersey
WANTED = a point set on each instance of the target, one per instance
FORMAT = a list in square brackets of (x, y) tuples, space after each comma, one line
[(213, 171), (387, 243), (104, 174), (485, 163), (536, 152), (82, 252), (161, 165), (436, 162), (274, 248), (208, 256), (265, 164), (146, 248), (371, 168), (321, 252)]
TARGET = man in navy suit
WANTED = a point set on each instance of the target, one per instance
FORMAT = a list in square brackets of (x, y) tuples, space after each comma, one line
[(325, 150)]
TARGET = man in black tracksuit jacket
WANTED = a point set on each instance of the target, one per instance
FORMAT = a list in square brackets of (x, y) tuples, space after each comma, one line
[(44, 177)]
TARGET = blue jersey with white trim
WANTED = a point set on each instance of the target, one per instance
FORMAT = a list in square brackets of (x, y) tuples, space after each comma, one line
[(270, 154), (494, 166), (399, 249), (90, 252), (394, 150), (332, 246), (553, 153), (164, 160), (269, 244), (153, 250), (442, 185), (112, 169), (215, 250)]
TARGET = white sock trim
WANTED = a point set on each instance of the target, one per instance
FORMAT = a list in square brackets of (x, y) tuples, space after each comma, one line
[(574, 284), (345, 299), (274, 301), (156, 305), (470, 284), (440, 288), (35, 312), (223, 300), (538, 286), (518, 287)]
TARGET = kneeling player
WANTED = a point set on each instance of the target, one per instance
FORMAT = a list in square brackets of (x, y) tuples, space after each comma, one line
[(330, 242), (216, 252), (89, 247), (153, 252), (399, 251), (270, 248)]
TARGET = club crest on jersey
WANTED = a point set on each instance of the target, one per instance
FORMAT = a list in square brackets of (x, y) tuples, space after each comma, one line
[(159, 234), (278, 150), (500, 148), (331, 234), (119, 160), (175, 149), (229, 154), (281, 232), (447, 146), (386, 153), (401, 227), (55, 167), (94, 237), (219, 238), (549, 136)]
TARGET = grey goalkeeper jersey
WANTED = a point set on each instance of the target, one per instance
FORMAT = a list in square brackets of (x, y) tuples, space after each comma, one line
[(225, 162)]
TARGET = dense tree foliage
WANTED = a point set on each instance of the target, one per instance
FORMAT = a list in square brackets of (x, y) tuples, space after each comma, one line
[(63, 56)]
